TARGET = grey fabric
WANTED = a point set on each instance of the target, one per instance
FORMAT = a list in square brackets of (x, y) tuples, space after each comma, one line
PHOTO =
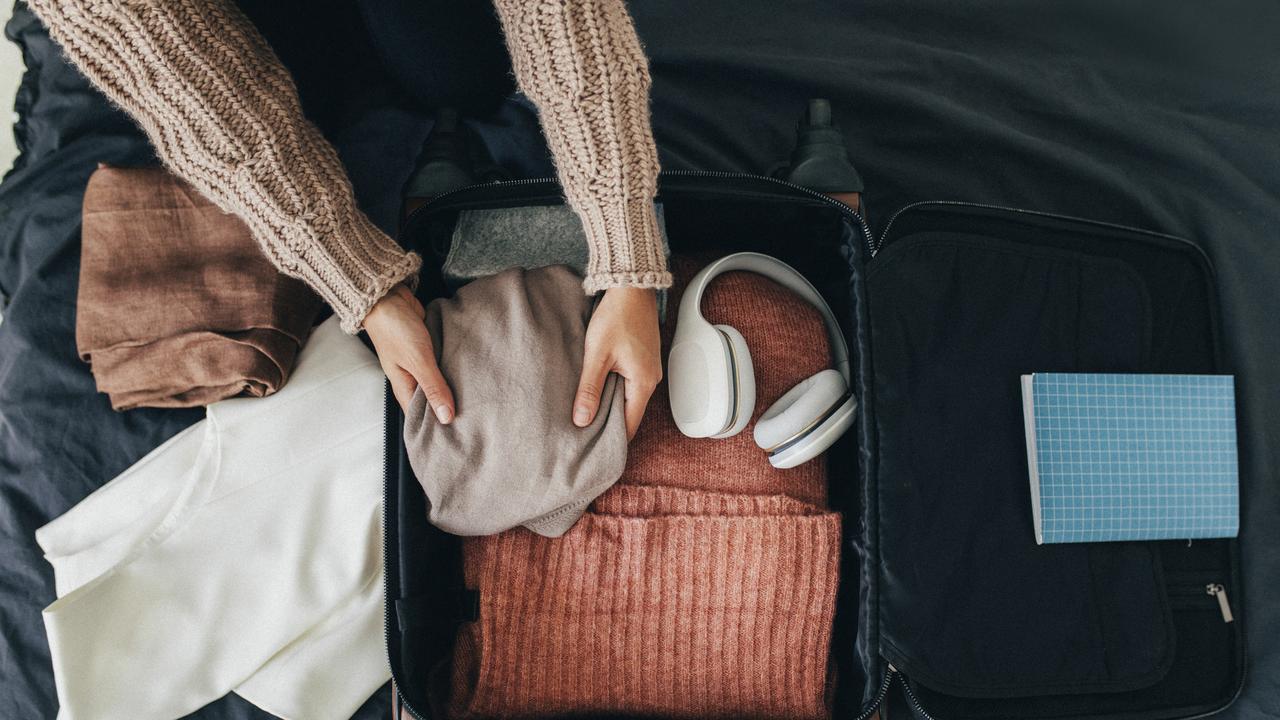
[(511, 347), (491, 240)]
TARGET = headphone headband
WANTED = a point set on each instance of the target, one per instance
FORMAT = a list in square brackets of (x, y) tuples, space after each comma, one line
[(779, 272)]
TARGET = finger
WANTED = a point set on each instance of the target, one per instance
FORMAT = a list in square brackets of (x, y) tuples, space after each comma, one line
[(402, 386), (635, 396), (416, 305), (595, 368), (435, 388)]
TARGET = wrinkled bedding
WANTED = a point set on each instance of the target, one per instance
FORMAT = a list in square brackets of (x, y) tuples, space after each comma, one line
[(1167, 122)]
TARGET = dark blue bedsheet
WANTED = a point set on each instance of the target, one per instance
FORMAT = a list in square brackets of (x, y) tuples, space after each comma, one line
[(1166, 121), (59, 438)]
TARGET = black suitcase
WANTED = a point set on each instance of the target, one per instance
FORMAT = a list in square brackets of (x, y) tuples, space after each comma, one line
[(943, 590)]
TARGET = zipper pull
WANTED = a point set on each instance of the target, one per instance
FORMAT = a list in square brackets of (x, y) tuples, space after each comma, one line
[(1216, 590)]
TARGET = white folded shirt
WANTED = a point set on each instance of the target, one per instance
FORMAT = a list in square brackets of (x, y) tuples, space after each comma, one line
[(243, 554)]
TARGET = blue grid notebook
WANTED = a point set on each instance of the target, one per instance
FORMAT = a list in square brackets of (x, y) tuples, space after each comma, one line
[(1131, 457)]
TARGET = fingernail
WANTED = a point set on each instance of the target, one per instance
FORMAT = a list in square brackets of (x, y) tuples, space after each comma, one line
[(444, 414), (580, 416)]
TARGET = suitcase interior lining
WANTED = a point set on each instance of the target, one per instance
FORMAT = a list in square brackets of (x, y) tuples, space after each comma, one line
[(970, 603), (426, 559)]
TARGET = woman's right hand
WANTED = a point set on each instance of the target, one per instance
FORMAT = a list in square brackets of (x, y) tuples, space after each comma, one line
[(395, 325)]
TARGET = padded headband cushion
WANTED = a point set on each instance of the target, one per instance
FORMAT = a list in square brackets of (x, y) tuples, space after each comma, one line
[(744, 379), (788, 343)]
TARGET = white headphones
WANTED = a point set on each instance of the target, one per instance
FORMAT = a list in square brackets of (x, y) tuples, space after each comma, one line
[(712, 382)]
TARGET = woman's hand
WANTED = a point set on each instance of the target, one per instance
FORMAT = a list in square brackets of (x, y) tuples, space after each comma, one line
[(622, 337), (404, 349)]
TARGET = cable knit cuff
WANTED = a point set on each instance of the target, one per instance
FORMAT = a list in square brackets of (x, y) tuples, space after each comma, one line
[(352, 316), (369, 265), (626, 246)]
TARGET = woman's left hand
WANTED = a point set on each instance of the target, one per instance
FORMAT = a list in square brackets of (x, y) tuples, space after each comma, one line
[(622, 337)]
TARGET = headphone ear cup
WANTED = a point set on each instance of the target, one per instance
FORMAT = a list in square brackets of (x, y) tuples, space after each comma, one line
[(743, 371), (815, 442), (799, 409), (699, 380)]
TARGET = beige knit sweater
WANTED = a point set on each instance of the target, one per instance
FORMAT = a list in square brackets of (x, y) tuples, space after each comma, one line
[(223, 114)]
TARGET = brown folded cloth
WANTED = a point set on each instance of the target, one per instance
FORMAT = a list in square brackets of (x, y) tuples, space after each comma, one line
[(178, 306), (660, 601), (788, 343)]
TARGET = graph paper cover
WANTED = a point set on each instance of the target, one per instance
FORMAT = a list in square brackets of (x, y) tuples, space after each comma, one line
[(1131, 457)]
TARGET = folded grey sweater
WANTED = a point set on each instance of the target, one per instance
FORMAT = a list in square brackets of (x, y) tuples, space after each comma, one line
[(490, 240), (511, 346)]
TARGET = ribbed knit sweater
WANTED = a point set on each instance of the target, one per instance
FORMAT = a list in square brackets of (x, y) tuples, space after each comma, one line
[(661, 602), (223, 114)]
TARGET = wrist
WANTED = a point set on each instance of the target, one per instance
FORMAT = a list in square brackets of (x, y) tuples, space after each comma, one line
[(631, 296), (631, 291), (385, 306)]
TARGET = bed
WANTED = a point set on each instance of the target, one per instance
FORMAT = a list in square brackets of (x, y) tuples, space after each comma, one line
[(1167, 122)]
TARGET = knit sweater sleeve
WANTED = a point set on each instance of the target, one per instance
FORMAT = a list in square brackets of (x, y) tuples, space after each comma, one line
[(223, 114), (581, 63)]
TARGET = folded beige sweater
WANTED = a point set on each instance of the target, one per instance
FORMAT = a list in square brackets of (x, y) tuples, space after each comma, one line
[(223, 114), (511, 345)]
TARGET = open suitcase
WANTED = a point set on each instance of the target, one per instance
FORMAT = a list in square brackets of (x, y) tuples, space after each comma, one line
[(943, 590)]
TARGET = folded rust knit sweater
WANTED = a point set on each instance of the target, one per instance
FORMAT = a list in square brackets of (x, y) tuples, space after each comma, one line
[(223, 114), (660, 601)]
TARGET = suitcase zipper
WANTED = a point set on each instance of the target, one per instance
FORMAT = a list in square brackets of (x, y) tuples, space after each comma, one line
[(911, 694), (884, 234), (386, 575), (874, 244), (386, 546), (1195, 596), (1220, 593), (881, 693), (867, 236)]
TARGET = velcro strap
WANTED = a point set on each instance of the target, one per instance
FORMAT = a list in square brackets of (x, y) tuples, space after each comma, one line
[(455, 605)]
